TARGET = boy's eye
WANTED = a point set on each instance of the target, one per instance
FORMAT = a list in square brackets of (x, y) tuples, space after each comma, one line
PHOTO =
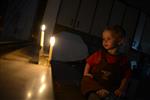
[(107, 39)]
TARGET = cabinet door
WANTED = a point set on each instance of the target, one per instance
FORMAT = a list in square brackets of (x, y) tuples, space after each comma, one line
[(101, 17), (117, 13), (145, 41), (85, 15), (68, 12), (139, 31), (130, 21)]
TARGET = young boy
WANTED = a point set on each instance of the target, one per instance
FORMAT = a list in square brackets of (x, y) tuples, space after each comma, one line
[(106, 71)]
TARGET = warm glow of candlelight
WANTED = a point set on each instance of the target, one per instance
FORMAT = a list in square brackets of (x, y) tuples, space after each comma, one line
[(43, 27), (52, 42), (42, 39)]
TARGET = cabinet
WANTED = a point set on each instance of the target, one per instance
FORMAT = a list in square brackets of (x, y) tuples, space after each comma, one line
[(130, 21), (77, 14), (117, 13), (101, 17), (139, 31), (67, 13), (145, 40)]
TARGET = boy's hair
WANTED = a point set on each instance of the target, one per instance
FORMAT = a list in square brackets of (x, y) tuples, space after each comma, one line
[(117, 31)]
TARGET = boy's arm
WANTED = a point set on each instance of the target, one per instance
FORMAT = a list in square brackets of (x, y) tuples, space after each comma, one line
[(87, 70), (119, 91), (123, 84), (94, 58), (127, 74)]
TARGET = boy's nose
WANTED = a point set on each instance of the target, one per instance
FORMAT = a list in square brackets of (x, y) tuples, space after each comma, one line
[(105, 41)]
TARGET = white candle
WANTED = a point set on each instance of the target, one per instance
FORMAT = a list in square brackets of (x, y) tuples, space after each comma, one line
[(52, 42), (42, 39), (43, 27)]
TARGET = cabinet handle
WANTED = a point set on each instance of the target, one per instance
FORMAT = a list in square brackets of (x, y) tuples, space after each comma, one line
[(71, 23), (78, 22)]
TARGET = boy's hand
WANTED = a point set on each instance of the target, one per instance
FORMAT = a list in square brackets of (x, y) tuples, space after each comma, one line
[(118, 92), (89, 75), (102, 92)]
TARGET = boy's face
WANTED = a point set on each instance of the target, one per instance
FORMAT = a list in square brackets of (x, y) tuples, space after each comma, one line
[(108, 40)]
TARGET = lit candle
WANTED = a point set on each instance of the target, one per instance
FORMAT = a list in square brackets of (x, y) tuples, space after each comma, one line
[(43, 27), (42, 39), (52, 42), (41, 53)]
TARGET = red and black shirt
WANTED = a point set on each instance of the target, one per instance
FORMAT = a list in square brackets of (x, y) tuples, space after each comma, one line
[(109, 69)]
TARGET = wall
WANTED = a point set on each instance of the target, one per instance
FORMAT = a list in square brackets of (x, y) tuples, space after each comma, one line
[(49, 18), (19, 19)]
